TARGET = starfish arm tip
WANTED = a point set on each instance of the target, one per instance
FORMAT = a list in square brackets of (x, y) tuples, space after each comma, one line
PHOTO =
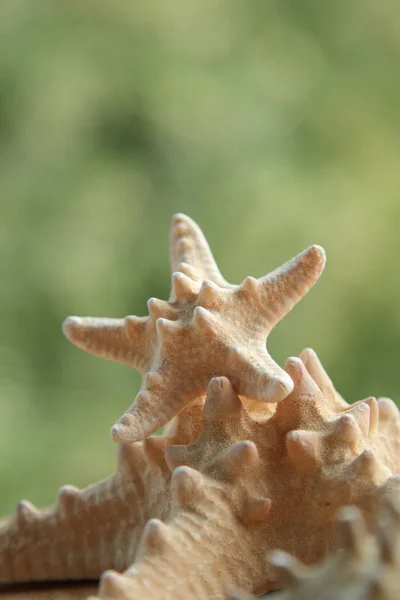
[(125, 430), (316, 254), (296, 369), (179, 216), (278, 389), (314, 261), (287, 567), (319, 249), (69, 324), (307, 354)]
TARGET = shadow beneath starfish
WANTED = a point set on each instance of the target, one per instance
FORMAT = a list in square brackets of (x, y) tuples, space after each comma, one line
[(78, 590)]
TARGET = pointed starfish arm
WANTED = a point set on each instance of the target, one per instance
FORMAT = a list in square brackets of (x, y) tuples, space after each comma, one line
[(87, 530), (177, 560), (285, 286), (322, 379), (256, 376), (118, 339), (190, 247), (151, 410)]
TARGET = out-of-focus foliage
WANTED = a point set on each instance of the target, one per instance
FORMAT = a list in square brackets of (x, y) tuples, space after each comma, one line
[(274, 124)]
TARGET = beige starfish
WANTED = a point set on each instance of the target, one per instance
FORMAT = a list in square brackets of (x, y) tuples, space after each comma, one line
[(245, 487), (89, 530), (208, 327), (365, 567)]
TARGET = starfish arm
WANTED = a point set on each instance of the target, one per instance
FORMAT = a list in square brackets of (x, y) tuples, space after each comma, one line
[(177, 560), (285, 286), (152, 409), (87, 530), (190, 252), (322, 379), (389, 430), (256, 376), (123, 340)]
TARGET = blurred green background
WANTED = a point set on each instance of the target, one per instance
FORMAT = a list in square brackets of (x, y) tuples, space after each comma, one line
[(273, 124)]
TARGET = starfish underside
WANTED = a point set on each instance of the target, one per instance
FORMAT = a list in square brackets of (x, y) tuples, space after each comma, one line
[(245, 488), (207, 328)]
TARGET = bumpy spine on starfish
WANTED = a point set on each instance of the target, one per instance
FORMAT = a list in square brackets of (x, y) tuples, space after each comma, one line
[(245, 487), (177, 560), (90, 530), (365, 567), (378, 420), (208, 327), (87, 530)]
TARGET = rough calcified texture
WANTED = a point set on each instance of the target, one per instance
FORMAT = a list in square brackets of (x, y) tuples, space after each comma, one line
[(365, 567), (380, 418), (246, 487), (208, 327), (89, 530)]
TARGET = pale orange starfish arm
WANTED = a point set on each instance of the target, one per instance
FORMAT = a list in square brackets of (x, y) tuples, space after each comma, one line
[(90, 530), (124, 340), (190, 252), (322, 379), (208, 328), (284, 287), (86, 530), (183, 559)]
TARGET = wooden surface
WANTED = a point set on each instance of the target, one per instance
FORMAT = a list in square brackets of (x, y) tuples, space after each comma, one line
[(54, 591), (47, 591)]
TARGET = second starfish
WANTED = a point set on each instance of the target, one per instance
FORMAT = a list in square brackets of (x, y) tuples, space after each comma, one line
[(208, 328)]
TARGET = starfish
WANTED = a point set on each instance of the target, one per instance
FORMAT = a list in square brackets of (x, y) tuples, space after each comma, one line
[(365, 567), (207, 328), (244, 488)]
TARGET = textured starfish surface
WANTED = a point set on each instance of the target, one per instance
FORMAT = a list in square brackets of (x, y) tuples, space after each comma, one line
[(245, 487), (207, 328), (89, 530), (365, 567), (382, 415)]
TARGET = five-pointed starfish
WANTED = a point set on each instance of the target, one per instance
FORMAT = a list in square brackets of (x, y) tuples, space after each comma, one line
[(207, 328)]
